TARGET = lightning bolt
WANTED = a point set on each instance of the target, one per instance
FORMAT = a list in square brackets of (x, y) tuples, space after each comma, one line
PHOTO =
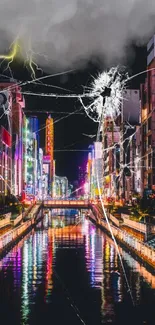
[(15, 51), (11, 56), (30, 61)]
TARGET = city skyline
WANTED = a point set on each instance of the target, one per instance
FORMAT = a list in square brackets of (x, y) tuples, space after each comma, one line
[(68, 134), (77, 162)]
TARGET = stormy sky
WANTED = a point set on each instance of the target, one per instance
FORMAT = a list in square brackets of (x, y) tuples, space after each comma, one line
[(67, 33)]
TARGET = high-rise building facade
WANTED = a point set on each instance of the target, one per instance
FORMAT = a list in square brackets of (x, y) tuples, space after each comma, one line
[(5, 141), (14, 116), (118, 153), (17, 134), (30, 160), (148, 122), (95, 170), (11, 121), (82, 176), (34, 130), (130, 112), (46, 179), (61, 187), (40, 174), (5, 162), (138, 186), (111, 157)]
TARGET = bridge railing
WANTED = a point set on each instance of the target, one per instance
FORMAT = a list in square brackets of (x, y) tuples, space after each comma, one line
[(66, 202)]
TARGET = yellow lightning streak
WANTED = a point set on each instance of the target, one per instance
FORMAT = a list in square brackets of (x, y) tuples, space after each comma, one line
[(31, 64), (12, 55), (16, 49)]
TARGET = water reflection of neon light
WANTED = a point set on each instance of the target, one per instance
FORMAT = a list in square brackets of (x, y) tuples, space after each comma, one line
[(34, 259), (137, 267), (25, 296), (98, 261), (17, 265), (92, 257), (112, 253), (116, 286), (49, 271), (119, 290)]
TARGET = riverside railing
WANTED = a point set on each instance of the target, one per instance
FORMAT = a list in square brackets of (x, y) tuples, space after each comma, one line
[(143, 250), (18, 231), (141, 227), (5, 221)]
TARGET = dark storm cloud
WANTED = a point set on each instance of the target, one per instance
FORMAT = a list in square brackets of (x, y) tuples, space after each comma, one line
[(66, 32)]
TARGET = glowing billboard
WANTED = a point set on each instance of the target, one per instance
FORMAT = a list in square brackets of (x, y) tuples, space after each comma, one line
[(49, 137), (49, 141), (47, 159)]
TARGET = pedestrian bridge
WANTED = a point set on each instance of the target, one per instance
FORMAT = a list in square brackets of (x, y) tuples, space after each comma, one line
[(68, 204)]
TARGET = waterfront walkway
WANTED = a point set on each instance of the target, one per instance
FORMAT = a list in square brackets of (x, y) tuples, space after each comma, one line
[(134, 233)]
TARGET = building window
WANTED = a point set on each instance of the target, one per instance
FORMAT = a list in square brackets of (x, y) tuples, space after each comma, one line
[(144, 129), (143, 97), (149, 161), (149, 140), (149, 123), (149, 180), (144, 146)]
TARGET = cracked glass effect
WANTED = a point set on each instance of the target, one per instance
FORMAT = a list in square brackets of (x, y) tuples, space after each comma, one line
[(105, 95)]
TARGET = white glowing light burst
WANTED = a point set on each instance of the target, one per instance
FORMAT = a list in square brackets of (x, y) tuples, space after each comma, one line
[(106, 94)]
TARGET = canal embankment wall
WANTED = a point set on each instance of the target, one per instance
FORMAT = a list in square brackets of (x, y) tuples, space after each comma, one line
[(5, 220), (142, 250), (11, 237)]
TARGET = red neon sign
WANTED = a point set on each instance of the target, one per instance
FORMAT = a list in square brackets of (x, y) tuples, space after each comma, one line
[(6, 137)]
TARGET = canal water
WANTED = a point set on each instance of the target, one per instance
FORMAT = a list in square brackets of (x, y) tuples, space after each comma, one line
[(66, 271)]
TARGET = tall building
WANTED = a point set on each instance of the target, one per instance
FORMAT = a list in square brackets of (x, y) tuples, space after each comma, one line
[(90, 171), (70, 190), (118, 153), (53, 194), (11, 121), (148, 122), (49, 145), (61, 187), (82, 175), (34, 129), (129, 121), (46, 179), (111, 157), (138, 186), (17, 134), (5, 162), (30, 162), (95, 170), (40, 174), (25, 157)]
